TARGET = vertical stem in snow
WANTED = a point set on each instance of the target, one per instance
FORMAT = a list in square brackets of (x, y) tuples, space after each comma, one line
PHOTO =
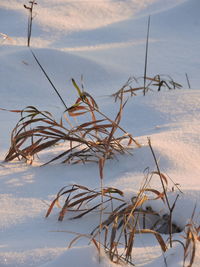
[(188, 82), (44, 72), (30, 20), (146, 55), (165, 194), (101, 219)]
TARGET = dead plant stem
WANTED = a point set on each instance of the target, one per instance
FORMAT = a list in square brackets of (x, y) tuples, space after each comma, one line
[(146, 55), (165, 193)]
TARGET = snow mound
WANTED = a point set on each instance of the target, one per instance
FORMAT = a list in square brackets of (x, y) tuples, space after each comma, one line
[(83, 256)]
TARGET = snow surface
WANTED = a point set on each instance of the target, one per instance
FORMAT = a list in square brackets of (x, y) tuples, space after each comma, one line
[(105, 42)]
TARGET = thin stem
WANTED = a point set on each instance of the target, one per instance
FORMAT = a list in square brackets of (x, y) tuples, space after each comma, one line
[(146, 55), (159, 172), (48, 78), (118, 126), (165, 193), (30, 20), (188, 82), (101, 218)]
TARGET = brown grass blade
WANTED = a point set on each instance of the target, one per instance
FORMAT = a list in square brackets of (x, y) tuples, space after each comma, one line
[(157, 235)]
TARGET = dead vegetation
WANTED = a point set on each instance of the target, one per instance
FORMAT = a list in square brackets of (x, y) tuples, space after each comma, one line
[(91, 141), (30, 19), (96, 140), (78, 197), (191, 239), (121, 221), (156, 83)]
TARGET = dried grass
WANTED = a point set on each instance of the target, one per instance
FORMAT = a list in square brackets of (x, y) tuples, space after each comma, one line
[(94, 140), (192, 236), (156, 83), (122, 221), (78, 197), (91, 141), (30, 19)]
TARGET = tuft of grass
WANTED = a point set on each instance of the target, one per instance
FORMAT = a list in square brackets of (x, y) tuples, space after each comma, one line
[(156, 83), (129, 219), (93, 140), (122, 221), (192, 236), (79, 196), (190, 239)]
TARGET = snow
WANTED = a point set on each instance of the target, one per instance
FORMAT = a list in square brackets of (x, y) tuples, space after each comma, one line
[(107, 46)]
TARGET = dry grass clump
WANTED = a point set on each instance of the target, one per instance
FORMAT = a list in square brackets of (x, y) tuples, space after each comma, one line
[(78, 197), (145, 84), (120, 228), (92, 140), (122, 221), (156, 83), (191, 236)]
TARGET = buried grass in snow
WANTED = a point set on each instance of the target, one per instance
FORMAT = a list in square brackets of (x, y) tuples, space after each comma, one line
[(156, 83), (78, 197), (123, 220), (92, 140)]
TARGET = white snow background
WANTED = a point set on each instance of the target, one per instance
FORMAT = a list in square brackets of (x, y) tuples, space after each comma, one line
[(103, 40)]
